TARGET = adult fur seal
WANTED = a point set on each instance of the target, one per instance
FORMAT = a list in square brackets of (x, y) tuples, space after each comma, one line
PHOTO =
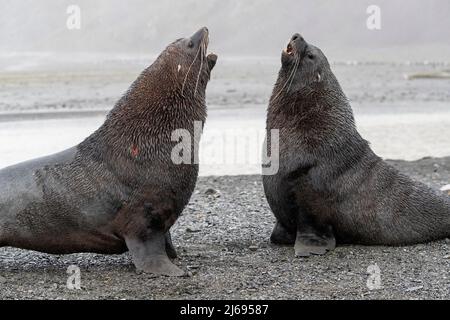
[(119, 189), (330, 185)]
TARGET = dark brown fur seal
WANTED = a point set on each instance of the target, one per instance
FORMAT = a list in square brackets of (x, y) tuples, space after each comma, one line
[(330, 185), (118, 190)]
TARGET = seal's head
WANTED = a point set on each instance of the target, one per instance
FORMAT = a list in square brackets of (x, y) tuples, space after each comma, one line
[(168, 95), (190, 64), (307, 96), (305, 69)]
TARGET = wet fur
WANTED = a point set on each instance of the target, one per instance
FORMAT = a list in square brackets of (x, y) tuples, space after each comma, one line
[(120, 181), (330, 178)]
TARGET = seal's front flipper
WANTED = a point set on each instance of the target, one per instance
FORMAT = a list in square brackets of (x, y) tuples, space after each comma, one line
[(281, 235), (170, 249), (150, 255), (313, 242)]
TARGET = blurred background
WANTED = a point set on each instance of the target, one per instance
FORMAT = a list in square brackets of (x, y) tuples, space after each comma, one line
[(58, 81)]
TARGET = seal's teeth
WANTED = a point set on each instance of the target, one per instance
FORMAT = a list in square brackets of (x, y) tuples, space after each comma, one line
[(289, 49)]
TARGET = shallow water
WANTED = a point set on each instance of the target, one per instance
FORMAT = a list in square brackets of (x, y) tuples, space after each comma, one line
[(232, 144)]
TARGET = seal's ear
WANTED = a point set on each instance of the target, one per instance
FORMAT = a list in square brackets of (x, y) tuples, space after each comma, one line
[(212, 59)]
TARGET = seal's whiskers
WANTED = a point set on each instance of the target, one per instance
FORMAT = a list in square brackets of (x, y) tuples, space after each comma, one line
[(189, 69), (291, 75), (297, 62), (202, 55)]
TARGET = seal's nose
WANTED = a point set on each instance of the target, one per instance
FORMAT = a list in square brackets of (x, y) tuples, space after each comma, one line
[(297, 38), (198, 36), (297, 43)]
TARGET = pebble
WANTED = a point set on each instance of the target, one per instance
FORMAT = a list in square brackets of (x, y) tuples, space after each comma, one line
[(411, 289), (193, 267), (211, 191), (253, 248), (221, 272)]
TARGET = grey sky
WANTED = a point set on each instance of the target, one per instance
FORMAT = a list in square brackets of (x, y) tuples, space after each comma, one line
[(251, 27)]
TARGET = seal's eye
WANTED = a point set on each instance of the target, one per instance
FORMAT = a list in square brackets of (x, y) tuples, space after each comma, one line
[(310, 56), (190, 44)]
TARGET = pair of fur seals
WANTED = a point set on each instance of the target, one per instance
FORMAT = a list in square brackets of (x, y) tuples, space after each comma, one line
[(119, 189), (330, 186)]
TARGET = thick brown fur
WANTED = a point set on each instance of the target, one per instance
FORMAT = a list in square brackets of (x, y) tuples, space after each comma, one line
[(330, 185), (119, 188)]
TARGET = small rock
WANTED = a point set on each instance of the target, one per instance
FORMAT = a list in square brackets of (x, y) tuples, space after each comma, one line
[(253, 248), (193, 267), (446, 188), (2, 280), (447, 240), (187, 274), (211, 191), (411, 289), (192, 229), (447, 256)]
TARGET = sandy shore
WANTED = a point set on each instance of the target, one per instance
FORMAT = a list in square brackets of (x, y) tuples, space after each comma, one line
[(222, 239)]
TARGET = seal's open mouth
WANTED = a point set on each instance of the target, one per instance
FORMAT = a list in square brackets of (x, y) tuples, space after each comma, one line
[(289, 49)]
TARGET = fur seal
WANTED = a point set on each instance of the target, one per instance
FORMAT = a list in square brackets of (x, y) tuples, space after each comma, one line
[(330, 186), (118, 190)]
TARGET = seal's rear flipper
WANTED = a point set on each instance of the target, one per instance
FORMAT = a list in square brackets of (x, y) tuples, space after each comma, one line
[(313, 242), (150, 255), (282, 236)]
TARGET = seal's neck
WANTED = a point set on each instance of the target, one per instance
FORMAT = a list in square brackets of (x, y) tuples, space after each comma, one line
[(140, 126), (156, 102), (311, 105), (159, 89)]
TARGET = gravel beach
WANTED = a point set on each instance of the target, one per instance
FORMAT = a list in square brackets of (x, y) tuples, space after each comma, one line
[(65, 65), (222, 239)]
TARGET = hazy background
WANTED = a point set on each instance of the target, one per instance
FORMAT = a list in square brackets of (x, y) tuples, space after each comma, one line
[(56, 84), (251, 27)]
